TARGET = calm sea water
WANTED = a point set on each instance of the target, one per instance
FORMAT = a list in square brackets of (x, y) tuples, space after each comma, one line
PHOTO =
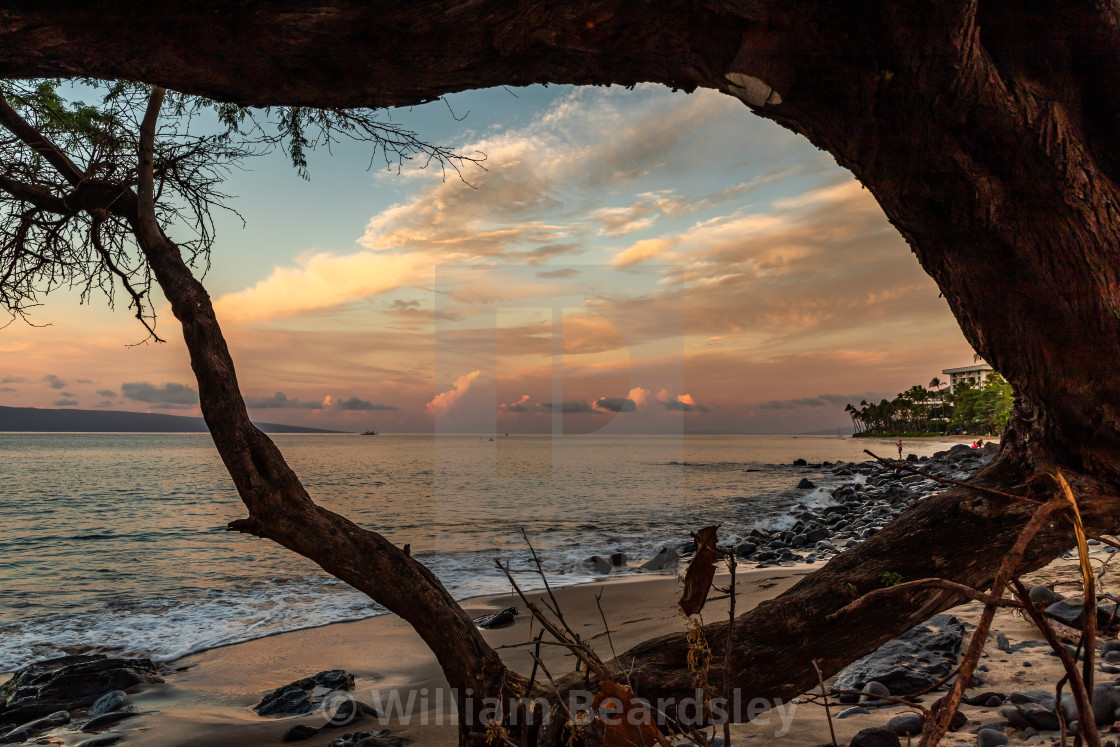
[(116, 542)]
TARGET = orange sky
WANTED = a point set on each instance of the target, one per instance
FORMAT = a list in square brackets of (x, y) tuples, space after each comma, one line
[(633, 260)]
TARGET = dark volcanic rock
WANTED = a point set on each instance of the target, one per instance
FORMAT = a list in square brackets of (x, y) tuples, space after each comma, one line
[(805, 484), (298, 733), (290, 700), (909, 663), (499, 619), (103, 740), (36, 727), (105, 720), (68, 683), (875, 737), (906, 724), (1070, 612), (108, 703)]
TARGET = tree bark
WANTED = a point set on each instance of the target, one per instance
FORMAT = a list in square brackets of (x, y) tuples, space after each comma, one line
[(986, 131)]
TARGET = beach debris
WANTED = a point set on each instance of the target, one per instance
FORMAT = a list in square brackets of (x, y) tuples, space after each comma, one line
[(68, 683), (701, 571), (499, 619), (912, 662)]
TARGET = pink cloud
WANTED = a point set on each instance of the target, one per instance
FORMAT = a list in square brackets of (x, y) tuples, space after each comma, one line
[(443, 402)]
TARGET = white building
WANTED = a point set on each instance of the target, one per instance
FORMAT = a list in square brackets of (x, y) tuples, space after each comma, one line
[(976, 374)]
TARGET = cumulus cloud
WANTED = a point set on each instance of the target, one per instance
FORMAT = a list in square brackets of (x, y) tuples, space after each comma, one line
[(443, 402), (570, 407), (518, 406), (54, 382), (107, 393), (820, 401), (638, 395), (354, 403), (279, 401), (615, 404), (170, 393), (681, 402)]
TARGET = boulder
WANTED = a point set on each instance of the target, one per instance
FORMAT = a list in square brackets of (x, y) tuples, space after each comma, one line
[(107, 703), (105, 720), (290, 700), (875, 737), (499, 619), (103, 740), (907, 724), (36, 727), (913, 661), (598, 564), (1069, 612), (299, 732), (68, 683), (990, 738), (618, 559), (805, 484), (665, 558)]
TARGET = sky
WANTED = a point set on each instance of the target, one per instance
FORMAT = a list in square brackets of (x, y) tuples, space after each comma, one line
[(621, 261)]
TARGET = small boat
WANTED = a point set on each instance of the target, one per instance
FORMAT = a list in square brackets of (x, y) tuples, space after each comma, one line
[(370, 432)]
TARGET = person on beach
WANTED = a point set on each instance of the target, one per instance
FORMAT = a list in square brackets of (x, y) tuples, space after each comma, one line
[(899, 445)]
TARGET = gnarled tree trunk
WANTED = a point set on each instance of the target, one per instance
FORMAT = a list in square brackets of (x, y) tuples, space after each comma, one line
[(986, 131)]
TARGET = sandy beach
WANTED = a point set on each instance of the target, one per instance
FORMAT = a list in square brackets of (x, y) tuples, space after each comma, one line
[(207, 701)]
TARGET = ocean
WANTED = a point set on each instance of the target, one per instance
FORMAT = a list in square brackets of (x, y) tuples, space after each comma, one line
[(116, 543)]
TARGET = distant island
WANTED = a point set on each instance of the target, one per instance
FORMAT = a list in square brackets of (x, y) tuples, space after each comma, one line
[(117, 421)]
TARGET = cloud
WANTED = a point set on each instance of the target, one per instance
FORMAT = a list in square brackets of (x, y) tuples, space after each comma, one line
[(84, 381), (65, 402), (279, 401), (638, 396), (518, 406), (442, 403), (353, 403), (107, 393), (12, 380), (54, 382), (106, 403), (571, 407), (615, 404), (821, 400), (8, 389), (682, 402), (562, 273), (170, 393)]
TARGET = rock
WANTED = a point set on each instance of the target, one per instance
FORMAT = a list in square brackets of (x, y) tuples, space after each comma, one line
[(105, 720), (873, 691), (805, 484), (799, 463), (107, 703), (299, 732), (290, 700), (340, 679), (1032, 714), (367, 739), (343, 712), (665, 558), (1105, 701), (1002, 643), (745, 548), (1042, 594), (913, 661), (906, 724), (618, 559), (68, 683), (1069, 612), (103, 740), (990, 738), (36, 727), (875, 737), (598, 564), (853, 711), (499, 619)]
